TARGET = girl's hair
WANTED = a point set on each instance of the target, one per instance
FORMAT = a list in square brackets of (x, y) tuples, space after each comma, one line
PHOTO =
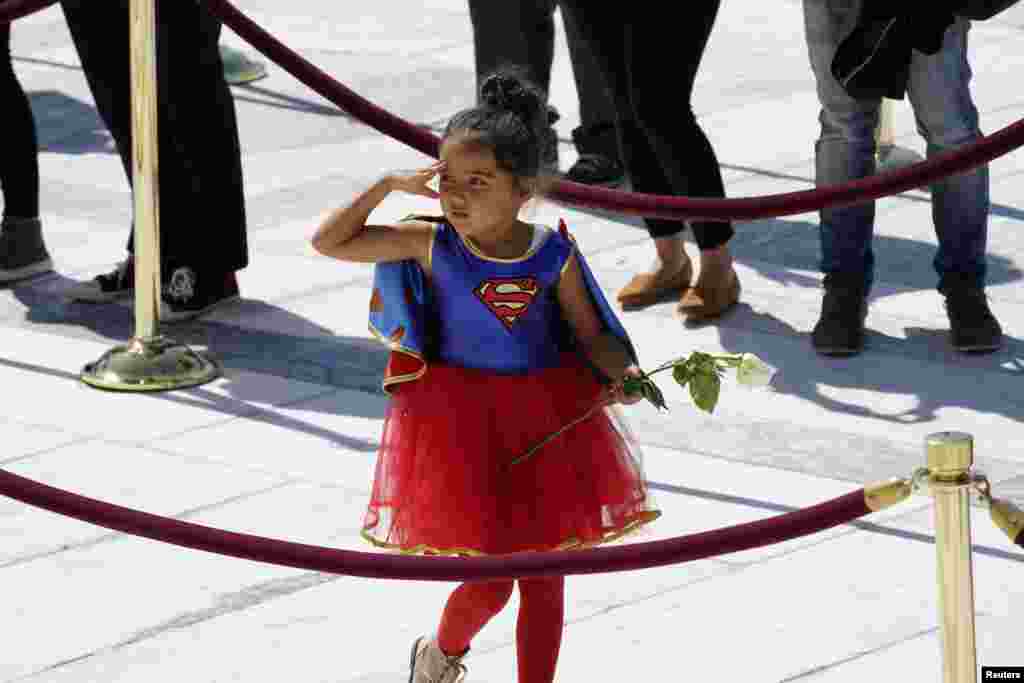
[(514, 121)]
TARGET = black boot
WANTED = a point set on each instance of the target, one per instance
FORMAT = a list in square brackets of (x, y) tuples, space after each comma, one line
[(599, 162), (22, 251), (972, 326), (840, 329)]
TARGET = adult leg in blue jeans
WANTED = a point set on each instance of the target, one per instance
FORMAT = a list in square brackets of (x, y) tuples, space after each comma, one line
[(22, 252), (938, 87)]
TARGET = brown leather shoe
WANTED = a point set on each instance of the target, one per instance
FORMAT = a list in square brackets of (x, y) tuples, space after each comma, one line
[(703, 302), (646, 288)]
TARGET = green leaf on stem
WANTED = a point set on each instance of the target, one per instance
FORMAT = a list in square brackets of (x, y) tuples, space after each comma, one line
[(653, 394), (705, 388), (681, 374)]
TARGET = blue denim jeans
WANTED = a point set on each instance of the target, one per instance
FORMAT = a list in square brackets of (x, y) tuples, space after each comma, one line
[(946, 117)]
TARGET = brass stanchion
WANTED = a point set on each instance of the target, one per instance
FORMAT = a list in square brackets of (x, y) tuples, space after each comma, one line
[(950, 458), (149, 362)]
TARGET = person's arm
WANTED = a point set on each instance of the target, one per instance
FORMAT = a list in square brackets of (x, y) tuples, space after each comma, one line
[(604, 349), (344, 234)]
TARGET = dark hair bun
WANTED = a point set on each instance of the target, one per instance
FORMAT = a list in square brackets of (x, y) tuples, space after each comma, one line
[(506, 91)]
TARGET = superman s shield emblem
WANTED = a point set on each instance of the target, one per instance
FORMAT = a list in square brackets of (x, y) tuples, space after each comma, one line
[(507, 298)]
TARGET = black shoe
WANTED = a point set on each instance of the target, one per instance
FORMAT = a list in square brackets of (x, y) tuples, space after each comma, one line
[(596, 169), (186, 296), (117, 284), (840, 329), (973, 328)]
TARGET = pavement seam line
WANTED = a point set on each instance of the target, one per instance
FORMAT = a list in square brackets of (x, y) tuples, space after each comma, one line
[(250, 596), (860, 655)]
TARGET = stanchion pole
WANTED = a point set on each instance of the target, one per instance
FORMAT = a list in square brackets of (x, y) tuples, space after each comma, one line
[(889, 157), (885, 134), (149, 362), (950, 458)]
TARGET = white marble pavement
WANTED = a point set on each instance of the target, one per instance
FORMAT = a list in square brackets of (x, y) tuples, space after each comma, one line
[(283, 445)]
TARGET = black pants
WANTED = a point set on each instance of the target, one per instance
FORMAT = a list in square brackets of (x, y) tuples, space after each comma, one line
[(650, 62), (522, 33), (19, 163), (202, 206)]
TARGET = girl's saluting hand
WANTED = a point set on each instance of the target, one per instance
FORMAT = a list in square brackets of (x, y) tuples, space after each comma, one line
[(415, 182)]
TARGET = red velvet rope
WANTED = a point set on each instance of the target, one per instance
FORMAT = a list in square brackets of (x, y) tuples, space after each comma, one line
[(659, 206), (387, 566), (16, 9)]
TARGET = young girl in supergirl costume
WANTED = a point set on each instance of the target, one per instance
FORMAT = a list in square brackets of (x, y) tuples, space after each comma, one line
[(515, 331)]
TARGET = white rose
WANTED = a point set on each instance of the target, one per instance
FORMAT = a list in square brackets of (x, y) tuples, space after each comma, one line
[(754, 372)]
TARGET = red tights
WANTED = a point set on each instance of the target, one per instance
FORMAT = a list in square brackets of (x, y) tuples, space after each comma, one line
[(538, 628)]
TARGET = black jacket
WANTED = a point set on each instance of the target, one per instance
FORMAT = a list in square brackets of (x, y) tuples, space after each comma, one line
[(874, 60)]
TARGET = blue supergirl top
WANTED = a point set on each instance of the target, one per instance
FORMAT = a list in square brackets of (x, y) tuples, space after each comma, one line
[(478, 311), (498, 314)]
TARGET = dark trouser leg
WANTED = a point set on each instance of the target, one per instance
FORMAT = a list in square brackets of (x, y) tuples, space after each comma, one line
[(202, 211), (596, 107), (514, 32), (207, 223), (100, 34), (664, 150), (19, 163), (686, 155)]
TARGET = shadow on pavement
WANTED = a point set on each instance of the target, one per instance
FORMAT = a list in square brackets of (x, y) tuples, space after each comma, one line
[(812, 377), (321, 358), (66, 125)]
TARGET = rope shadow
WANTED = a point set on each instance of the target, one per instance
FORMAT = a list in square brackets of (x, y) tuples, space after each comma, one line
[(288, 102)]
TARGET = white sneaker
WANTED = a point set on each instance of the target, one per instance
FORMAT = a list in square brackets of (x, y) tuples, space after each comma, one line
[(428, 664), (240, 68)]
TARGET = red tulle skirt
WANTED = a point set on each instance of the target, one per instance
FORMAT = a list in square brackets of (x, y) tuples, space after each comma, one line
[(445, 482)]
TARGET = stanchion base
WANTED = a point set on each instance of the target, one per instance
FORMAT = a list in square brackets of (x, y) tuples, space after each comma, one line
[(150, 364)]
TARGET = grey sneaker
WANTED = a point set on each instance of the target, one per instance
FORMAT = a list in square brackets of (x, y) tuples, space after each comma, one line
[(239, 68), (22, 251), (117, 284), (428, 664)]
